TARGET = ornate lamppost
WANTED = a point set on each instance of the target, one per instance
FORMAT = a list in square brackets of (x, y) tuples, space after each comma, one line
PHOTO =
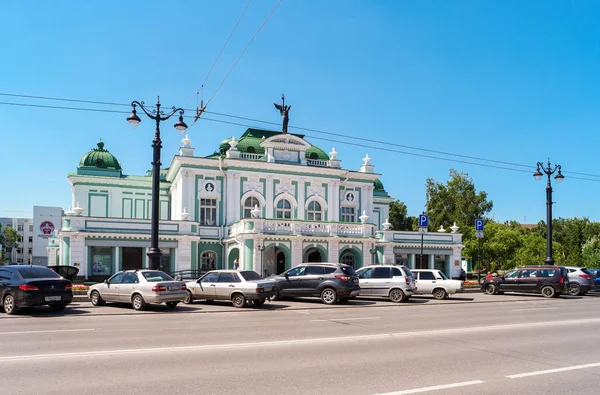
[(154, 253), (373, 252), (559, 177), (260, 248)]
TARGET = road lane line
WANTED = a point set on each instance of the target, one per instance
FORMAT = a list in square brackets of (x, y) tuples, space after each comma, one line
[(435, 388), (46, 331), (565, 369), (347, 319), (536, 308)]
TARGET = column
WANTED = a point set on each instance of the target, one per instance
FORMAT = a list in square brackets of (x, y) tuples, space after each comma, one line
[(334, 252), (296, 251), (117, 263), (430, 261), (301, 198), (235, 198), (269, 197), (334, 202), (229, 199), (412, 259), (388, 254)]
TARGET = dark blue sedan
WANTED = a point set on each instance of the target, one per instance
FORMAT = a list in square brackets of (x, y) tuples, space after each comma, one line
[(30, 285)]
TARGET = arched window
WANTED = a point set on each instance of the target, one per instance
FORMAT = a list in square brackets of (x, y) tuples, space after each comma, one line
[(314, 155), (208, 260), (249, 205), (250, 150), (314, 211), (348, 259), (284, 209)]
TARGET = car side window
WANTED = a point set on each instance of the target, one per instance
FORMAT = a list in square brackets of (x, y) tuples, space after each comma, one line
[(328, 270), (426, 276), (130, 278), (226, 278), (210, 277), (314, 270), (236, 278), (365, 273), (5, 274), (396, 272), (117, 278), (512, 274), (382, 272), (297, 271), (529, 273)]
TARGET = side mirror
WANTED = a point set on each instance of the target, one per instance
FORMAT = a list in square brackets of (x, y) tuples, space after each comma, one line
[(106, 281)]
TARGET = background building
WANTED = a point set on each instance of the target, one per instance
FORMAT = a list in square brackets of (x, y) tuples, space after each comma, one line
[(272, 200), (22, 253)]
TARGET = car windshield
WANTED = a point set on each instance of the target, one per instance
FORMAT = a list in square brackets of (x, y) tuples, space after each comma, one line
[(443, 275), (153, 277), (349, 270), (37, 272), (250, 275)]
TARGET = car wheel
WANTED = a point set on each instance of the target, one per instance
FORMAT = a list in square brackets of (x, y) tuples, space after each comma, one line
[(258, 302), (138, 302), (9, 304), (440, 293), (491, 289), (189, 298), (172, 305), (574, 289), (96, 299), (58, 307), (397, 296), (548, 292), (238, 300), (329, 296)]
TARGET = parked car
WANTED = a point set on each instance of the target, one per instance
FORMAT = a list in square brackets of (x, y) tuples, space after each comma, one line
[(332, 282), (237, 286), (549, 280), (596, 273), (388, 281), (30, 285), (139, 287), (581, 280), (435, 282)]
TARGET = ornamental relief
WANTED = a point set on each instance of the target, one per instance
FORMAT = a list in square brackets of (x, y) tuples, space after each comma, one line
[(252, 184), (316, 189), (285, 186), (209, 188), (287, 156)]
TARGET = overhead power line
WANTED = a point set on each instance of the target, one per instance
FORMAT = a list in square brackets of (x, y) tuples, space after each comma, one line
[(382, 148)]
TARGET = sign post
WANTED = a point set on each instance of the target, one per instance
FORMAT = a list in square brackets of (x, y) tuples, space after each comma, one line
[(423, 224), (479, 224)]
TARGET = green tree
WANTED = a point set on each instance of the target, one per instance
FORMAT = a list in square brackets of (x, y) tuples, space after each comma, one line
[(498, 247), (8, 239), (590, 252), (398, 216), (455, 201)]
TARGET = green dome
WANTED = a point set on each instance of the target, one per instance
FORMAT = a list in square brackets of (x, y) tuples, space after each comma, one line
[(378, 185), (224, 146), (99, 160)]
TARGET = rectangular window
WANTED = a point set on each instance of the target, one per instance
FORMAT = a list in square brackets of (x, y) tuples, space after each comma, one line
[(348, 214), (30, 228), (140, 206), (127, 208), (208, 212), (102, 262), (19, 227), (31, 239)]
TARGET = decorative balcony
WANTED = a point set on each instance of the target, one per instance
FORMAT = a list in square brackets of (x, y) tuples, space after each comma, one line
[(299, 227)]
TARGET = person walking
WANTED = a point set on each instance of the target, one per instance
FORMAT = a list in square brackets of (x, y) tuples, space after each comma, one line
[(236, 264)]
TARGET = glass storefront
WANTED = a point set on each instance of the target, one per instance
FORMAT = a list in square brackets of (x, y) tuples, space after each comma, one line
[(101, 261), (439, 263)]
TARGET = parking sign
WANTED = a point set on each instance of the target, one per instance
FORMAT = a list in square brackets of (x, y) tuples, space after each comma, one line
[(478, 224), (423, 220)]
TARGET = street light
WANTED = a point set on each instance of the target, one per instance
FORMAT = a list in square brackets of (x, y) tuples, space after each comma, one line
[(559, 177), (373, 251), (154, 253), (260, 248)]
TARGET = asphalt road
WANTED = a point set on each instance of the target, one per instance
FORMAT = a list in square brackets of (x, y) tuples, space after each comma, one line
[(492, 345)]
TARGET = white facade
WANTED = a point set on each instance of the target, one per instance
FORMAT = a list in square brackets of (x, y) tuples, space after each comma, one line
[(272, 200), (22, 252)]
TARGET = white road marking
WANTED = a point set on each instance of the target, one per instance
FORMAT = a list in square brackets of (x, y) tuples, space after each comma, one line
[(536, 308), (565, 369), (295, 342), (346, 319), (301, 312), (46, 331), (435, 388)]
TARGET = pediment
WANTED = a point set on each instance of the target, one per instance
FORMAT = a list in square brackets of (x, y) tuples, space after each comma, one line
[(286, 142)]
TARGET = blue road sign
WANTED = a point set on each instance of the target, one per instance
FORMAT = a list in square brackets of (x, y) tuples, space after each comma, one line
[(478, 224), (423, 220)]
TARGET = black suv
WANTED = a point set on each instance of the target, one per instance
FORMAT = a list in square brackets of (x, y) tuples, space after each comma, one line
[(332, 282), (549, 280)]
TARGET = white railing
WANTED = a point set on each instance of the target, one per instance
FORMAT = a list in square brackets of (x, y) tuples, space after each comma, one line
[(350, 229), (297, 227), (318, 162), (246, 155), (277, 226)]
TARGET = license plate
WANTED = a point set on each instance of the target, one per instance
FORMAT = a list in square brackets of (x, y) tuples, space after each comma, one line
[(355, 280), (51, 298), (268, 289), (174, 288)]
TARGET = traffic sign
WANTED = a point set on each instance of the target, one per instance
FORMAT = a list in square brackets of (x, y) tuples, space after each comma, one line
[(479, 234), (423, 220), (422, 229), (478, 224)]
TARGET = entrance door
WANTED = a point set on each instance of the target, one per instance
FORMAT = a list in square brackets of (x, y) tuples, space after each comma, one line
[(421, 263), (280, 262), (132, 258)]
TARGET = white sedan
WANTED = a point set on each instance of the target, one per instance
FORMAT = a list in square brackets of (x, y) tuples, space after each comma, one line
[(435, 282)]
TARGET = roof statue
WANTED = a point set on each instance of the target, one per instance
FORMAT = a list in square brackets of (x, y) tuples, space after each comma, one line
[(285, 112)]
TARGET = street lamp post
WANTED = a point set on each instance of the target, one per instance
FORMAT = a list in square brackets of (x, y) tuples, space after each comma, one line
[(154, 253), (559, 177), (373, 252), (260, 248)]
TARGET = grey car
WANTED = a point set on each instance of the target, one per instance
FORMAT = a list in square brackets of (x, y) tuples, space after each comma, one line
[(581, 280), (389, 281), (138, 287), (237, 286)]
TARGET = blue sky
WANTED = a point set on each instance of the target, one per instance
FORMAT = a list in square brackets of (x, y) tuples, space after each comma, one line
[(512, 81)]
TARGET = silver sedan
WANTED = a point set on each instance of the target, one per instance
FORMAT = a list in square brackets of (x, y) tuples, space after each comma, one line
[(237, 286), (139, 287)]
